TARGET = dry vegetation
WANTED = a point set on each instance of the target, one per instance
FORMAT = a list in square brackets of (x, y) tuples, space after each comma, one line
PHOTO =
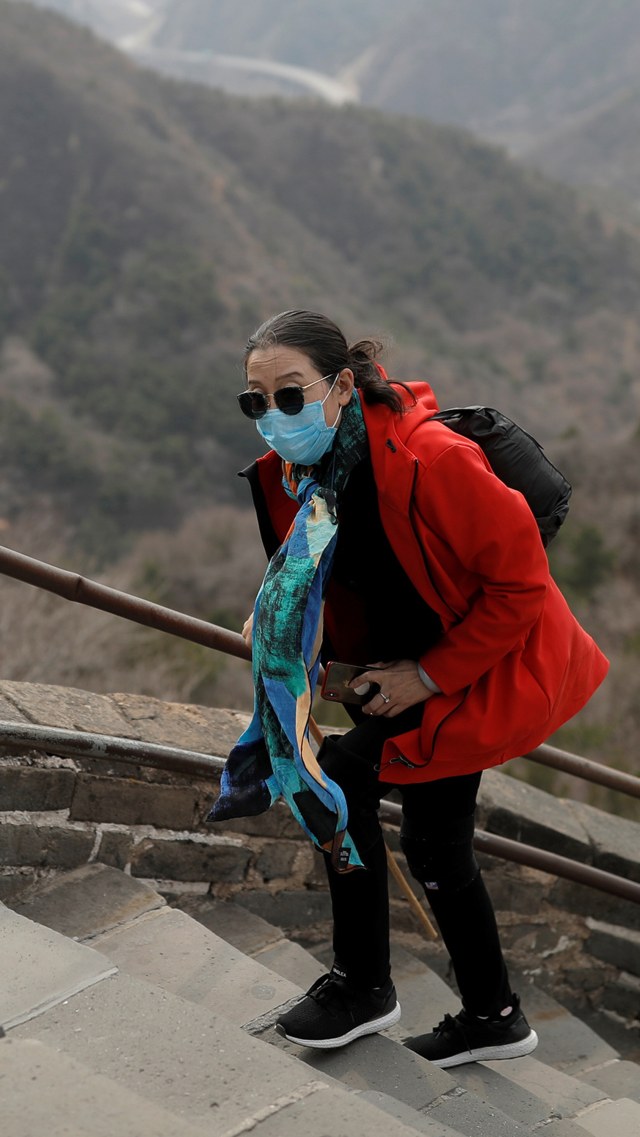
[(210, 568)]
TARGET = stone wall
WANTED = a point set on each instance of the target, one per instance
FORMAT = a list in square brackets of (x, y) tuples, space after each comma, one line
[(57, 813)]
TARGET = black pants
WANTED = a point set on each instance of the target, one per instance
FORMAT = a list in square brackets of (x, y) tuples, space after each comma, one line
[(437, 839)]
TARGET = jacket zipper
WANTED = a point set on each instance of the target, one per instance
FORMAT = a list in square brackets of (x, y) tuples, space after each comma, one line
[(417, 538), (404, 761), (401, 757)]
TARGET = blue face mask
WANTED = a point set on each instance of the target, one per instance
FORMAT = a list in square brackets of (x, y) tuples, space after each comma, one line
[(303, 438)]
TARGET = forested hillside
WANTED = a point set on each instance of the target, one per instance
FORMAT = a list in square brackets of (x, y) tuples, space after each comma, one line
[(554, 81), (148, 226), (599, 149)]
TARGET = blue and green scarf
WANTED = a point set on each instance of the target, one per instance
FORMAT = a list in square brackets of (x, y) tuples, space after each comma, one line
[(273, 758)]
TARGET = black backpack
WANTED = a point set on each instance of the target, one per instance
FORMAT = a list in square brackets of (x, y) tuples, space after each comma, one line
[(518, 460)]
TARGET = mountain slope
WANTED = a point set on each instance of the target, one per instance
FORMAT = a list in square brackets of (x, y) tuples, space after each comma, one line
[(600, 149), (553, 81), (323, 36), (151, 225), (507, 69)]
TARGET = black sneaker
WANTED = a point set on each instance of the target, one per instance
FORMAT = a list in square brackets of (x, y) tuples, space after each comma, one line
[(465, 1038), (332, 1013)]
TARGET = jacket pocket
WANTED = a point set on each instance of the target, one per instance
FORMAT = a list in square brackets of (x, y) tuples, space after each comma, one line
[(415, 749), (446, 706)]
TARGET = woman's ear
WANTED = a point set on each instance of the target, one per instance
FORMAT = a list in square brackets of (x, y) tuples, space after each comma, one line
[(344, 386)]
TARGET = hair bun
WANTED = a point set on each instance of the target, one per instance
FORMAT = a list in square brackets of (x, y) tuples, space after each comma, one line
[(366, 351)]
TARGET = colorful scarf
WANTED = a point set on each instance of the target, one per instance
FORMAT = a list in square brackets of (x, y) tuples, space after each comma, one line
[(274, 758)]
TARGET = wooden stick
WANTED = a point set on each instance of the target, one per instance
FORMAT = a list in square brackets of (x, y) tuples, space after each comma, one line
[(414, 903), (393, 866)]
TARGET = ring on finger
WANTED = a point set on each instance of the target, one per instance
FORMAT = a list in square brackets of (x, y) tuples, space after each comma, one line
[(385, 698)]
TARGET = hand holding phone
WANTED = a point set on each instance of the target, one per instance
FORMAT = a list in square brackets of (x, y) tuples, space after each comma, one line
[(337, 677)]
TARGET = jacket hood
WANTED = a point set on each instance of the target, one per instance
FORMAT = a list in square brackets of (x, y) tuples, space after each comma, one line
[(419, 392), (419, 405)]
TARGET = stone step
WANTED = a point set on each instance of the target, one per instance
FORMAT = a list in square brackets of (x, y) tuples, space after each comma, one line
[(566, 1042), (197, 1065), (379, 1065), (236, 924), (621, 1117), (45, 969), (198, 965), (397, 1080), (87, 901), (617, 1078), (290, 908), (543, 1093), (44, 1091), (526, 1090), (167, 947), (131, 923), (425, 1123), (556, 1082), (255, 937), (410, 1083), (170, 949)]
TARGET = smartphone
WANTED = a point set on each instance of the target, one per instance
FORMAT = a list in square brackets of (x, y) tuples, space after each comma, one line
[(336, 678)]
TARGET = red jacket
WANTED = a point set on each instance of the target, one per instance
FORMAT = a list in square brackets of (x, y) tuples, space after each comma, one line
[(513, 663)]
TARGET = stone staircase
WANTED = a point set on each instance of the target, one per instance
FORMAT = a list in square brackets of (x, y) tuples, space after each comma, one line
[(123, 1015)]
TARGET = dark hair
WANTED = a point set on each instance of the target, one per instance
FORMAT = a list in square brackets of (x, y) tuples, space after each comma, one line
[(325, 345)]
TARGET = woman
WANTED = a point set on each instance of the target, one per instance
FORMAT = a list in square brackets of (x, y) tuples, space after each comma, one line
[(430, 569)]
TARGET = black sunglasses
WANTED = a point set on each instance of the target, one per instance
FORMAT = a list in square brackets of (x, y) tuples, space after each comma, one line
[(289, 400)]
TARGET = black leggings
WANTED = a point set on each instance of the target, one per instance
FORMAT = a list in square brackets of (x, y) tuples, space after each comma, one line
[(437, 839)]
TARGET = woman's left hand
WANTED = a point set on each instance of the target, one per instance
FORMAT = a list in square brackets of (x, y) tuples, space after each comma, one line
[(247, 630), (400, 687)]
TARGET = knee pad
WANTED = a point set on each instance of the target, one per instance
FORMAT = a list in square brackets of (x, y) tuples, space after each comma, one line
[(442, 859)]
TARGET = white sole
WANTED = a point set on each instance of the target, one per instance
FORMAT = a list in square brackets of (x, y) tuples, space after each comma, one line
[(371, 1027), (491, 1053)]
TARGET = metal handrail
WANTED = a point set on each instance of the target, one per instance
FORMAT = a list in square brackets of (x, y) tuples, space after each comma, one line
[(80, 589), (584, 768), (82, 744), (75, 744), (76, 588)]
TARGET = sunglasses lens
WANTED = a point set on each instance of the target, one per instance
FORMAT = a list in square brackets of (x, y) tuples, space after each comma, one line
[(253, 404), (289, 400)]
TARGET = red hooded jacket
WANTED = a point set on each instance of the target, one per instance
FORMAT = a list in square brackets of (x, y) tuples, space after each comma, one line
[(513, 663)]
